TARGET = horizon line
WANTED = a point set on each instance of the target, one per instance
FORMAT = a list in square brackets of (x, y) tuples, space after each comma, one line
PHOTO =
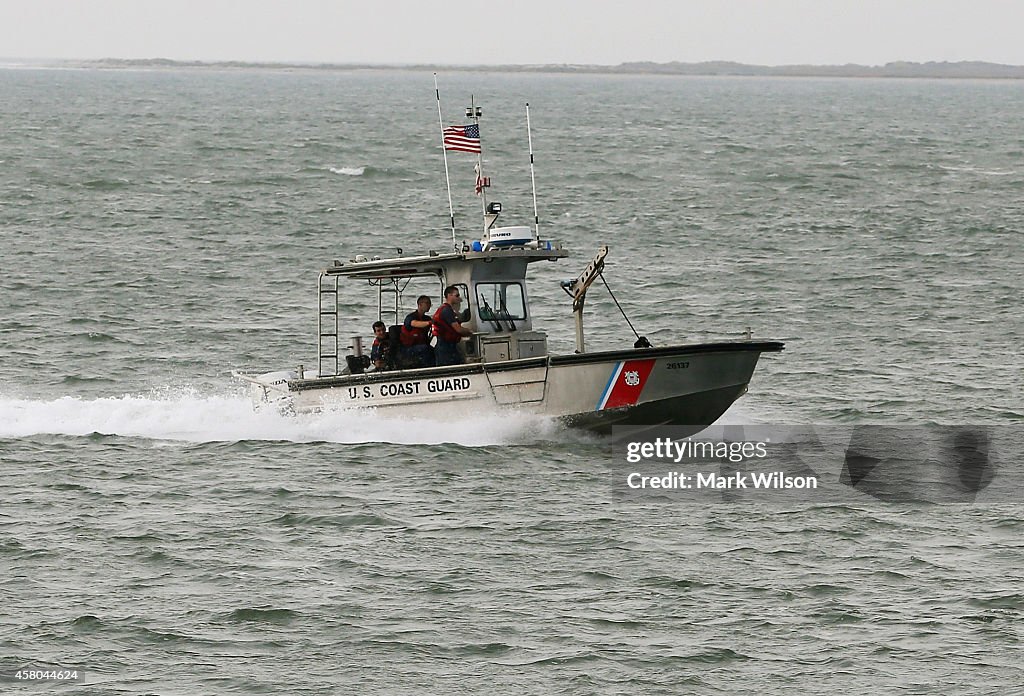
[(713, 61), (964, 69)]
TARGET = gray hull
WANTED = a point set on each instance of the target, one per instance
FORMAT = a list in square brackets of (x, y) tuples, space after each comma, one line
[(693, 412)]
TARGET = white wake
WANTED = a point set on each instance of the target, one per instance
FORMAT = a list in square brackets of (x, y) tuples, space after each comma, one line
[(183, 415)]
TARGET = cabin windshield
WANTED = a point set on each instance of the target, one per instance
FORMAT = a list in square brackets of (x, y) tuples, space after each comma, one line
[(501, 301), (466, 307)]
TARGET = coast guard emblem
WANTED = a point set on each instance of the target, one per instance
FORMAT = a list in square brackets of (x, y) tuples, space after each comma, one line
[(625, 383)]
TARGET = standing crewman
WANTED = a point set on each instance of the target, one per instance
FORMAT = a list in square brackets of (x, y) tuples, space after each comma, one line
[(415, 336), (449, 330)]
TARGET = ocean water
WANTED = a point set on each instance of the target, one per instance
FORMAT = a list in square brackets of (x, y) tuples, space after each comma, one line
[(160, 229)]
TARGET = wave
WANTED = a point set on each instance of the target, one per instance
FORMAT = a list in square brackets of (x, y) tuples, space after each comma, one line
[(106, 184), (348, 171), (976, 170), (182, 415), (370, 172)]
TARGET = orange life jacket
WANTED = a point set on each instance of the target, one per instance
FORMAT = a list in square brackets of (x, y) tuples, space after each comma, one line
[(442, 329), (416, 335)]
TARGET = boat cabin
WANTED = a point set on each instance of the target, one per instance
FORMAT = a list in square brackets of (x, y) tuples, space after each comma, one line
[(492, 282)]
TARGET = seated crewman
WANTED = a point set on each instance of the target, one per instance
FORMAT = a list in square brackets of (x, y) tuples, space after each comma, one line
[(380, 352)]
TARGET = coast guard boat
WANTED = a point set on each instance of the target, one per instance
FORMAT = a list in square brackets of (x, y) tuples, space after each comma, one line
[(507, 362)]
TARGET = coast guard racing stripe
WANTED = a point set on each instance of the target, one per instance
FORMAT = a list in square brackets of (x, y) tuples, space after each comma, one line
[(626, 383)]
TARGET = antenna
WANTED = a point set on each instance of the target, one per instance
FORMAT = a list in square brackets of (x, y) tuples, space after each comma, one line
[(444, 152), (533, 179), (475, 112)]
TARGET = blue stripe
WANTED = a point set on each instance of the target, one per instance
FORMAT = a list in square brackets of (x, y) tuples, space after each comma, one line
[(608, 387)]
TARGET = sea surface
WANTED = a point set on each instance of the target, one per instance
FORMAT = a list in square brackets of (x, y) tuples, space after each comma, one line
[(159, 229)]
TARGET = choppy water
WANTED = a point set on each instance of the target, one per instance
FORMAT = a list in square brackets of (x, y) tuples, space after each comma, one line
[(159, 229)]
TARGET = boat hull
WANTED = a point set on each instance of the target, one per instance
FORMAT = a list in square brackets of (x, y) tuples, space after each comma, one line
[(691, 412), (690, 385)]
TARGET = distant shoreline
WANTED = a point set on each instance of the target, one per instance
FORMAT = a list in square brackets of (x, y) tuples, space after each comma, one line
[(901, 69)]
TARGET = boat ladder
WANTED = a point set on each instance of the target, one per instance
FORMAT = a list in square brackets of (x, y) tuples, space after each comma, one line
[(327, 325), (384, 306)]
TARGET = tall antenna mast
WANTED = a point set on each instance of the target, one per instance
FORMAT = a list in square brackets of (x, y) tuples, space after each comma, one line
[(444, 151), (475, 112), (533, 179)]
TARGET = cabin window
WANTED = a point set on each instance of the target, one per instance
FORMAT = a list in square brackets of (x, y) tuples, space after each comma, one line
[(465, 308), (398, 296), (500, 301)]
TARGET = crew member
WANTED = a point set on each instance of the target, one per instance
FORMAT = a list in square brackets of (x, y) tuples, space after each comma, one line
[(380, 352), (449, 330), (416, 350)]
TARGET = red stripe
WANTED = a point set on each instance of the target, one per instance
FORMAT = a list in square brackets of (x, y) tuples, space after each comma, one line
[(461, 145), (625, 394)]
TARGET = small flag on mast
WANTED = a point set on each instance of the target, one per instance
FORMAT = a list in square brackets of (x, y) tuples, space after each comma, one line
[(462, 138), (482, 181)]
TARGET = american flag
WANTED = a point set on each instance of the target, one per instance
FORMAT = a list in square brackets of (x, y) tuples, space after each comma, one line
[(462, 138)]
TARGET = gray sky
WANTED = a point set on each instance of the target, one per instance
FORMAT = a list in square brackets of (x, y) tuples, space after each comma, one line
[(767, 32)]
